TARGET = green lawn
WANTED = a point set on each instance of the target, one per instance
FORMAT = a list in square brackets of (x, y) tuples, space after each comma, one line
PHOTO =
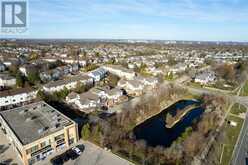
[(244, 91), (231, 136), (237, 109)]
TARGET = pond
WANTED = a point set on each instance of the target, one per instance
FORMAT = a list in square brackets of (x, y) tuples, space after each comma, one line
[(154, 130)]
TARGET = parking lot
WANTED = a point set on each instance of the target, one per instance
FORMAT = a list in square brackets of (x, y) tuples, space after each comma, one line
[(91, 155), (8, 155)]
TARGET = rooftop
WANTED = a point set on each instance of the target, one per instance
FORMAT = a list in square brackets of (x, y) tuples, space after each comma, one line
[(67, 81), (35, 121), (6, 76), (17, 91)]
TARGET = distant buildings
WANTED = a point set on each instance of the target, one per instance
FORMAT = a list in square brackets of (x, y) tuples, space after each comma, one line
[(38, 130), (178, 68), (206, 77), (58, 72), (26, 69)]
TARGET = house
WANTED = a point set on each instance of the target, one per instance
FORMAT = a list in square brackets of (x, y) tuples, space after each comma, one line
[(6, 80), (154, 71), (86, 102), (178, 68), (2, 67), (108, 96), (46, 76), (132, 87), (69, 83), (150, 82), (17, 96), (120, 71), (58, 72), (205, 77), (100, 91), (98, 74), (113, 96), (26, 69)]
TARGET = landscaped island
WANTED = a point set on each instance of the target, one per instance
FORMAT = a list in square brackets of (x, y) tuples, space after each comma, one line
[(173, 118)]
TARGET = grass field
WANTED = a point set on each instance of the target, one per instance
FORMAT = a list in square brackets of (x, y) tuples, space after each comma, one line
[(244, 91), (231, 136), (237, 109)]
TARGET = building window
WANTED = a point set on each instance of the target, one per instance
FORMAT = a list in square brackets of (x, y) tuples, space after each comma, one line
[(59, 137), (71, 141), (32, 149), (43, 144)]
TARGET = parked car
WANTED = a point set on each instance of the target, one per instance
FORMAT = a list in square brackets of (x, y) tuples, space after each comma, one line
[(72, 154), (81, 147), (76, 150), (57, 161)]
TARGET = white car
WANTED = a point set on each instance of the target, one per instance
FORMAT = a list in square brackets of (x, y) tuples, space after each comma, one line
[(76, 150)]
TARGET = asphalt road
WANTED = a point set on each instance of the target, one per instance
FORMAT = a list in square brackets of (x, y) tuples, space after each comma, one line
[(241, 150)]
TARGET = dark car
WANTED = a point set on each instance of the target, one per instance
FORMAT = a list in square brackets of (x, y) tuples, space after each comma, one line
[(72, 154), (57, 161), (65, 157), (81, 147)]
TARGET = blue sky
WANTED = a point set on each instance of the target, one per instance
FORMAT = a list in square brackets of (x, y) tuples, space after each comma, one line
[(215, 20)]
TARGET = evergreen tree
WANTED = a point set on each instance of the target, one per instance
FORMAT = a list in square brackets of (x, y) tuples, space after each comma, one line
[(86, 132)]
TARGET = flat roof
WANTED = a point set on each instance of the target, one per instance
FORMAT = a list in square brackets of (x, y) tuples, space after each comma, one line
[(32, 122)]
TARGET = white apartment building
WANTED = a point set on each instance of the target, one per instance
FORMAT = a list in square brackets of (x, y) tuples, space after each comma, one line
[(120, 71), (7, 80), (16, 96)]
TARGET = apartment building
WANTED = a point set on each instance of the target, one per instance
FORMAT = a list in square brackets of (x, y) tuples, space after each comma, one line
[(16, 96), (69, 83), (38, 130), (120, 71)]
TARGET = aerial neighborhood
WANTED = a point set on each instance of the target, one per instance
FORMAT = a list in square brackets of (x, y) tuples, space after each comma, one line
[(54, 95)]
